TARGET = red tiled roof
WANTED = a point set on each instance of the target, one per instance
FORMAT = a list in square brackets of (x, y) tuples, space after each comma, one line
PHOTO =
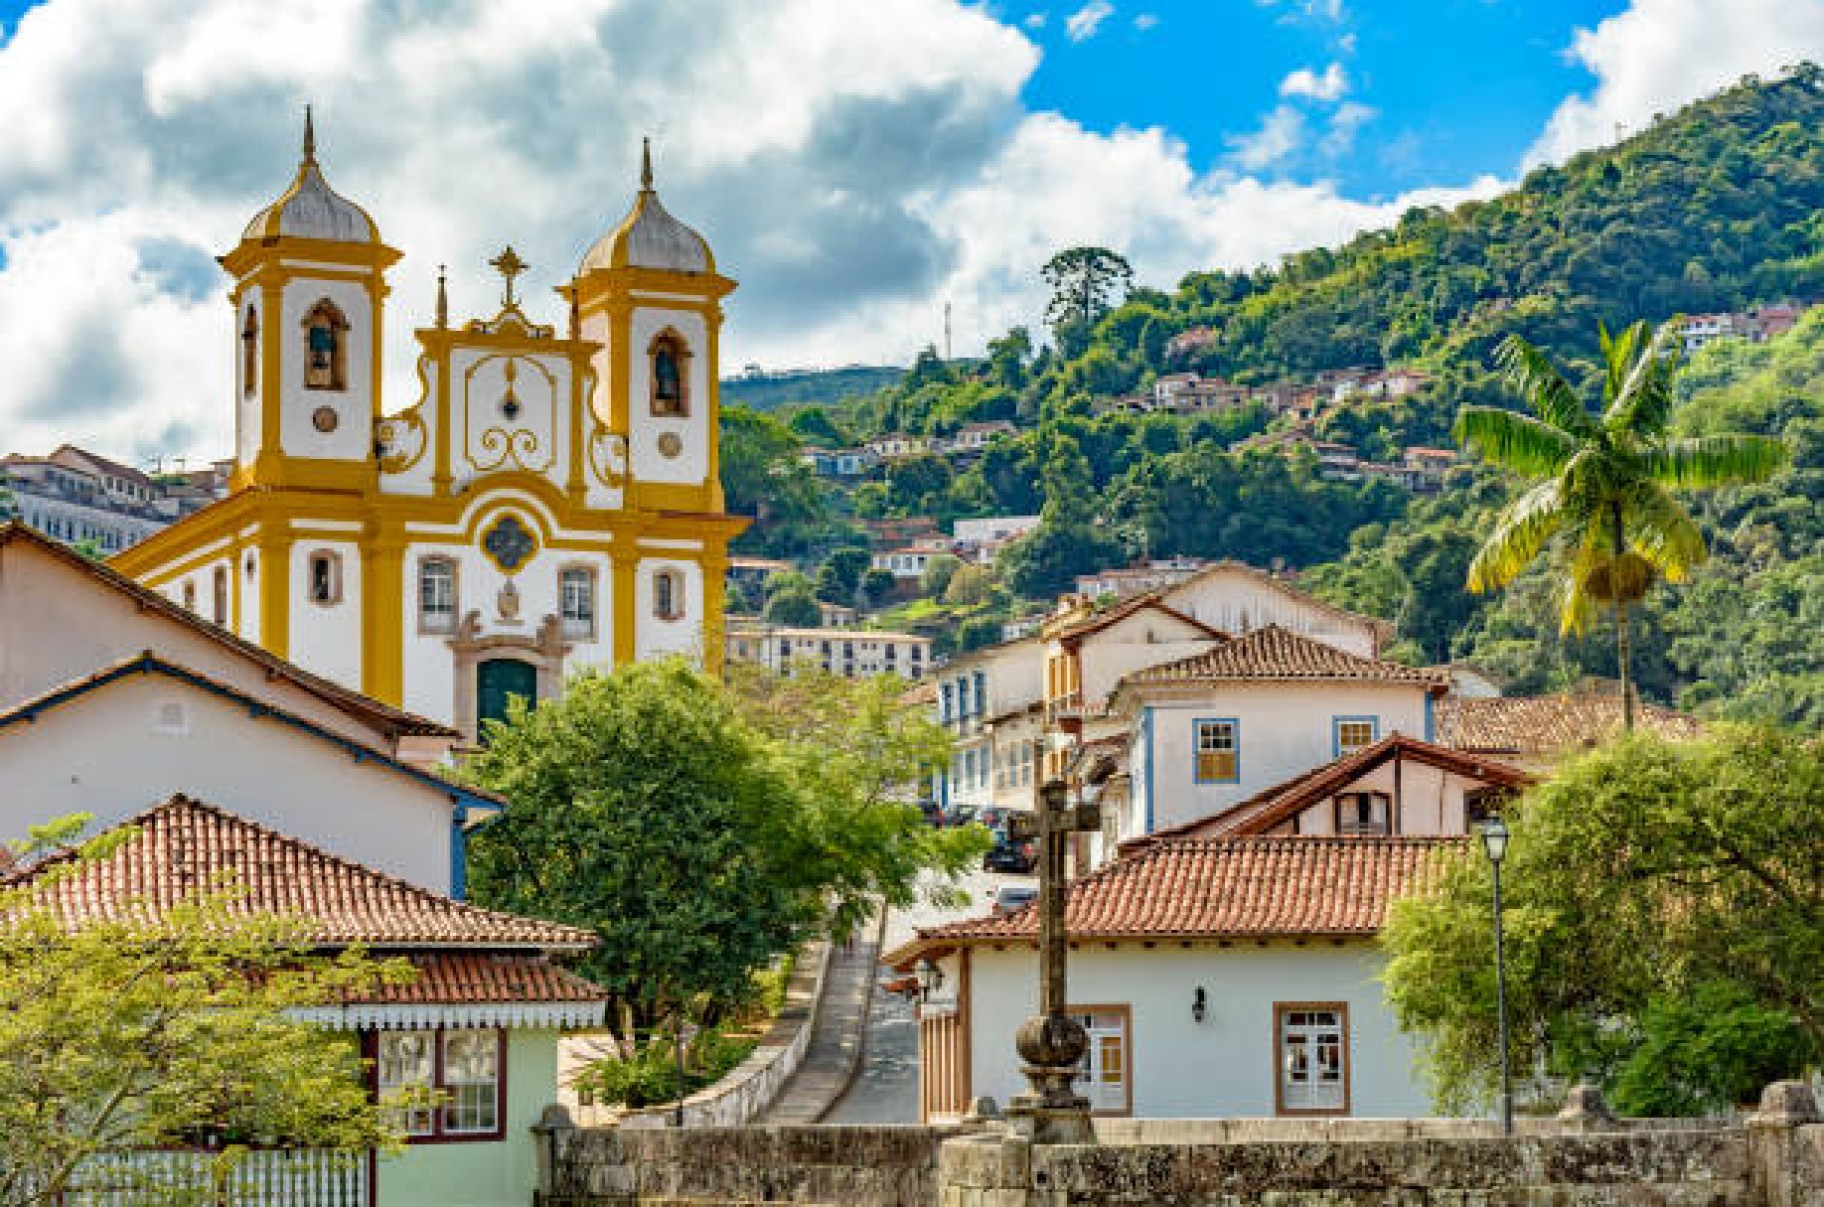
[(471, 978), (385, 718), (1214, 888), (1543, 725), (184, 846), (1266, 809), (1280, 654), (1139, 603)]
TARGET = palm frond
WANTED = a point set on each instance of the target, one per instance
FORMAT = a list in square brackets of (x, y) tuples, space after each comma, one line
[(1535, 378), (1577, 610), (1521, 531), (1515, 441), (1662, 532), (1640, 376), (1706, 461)]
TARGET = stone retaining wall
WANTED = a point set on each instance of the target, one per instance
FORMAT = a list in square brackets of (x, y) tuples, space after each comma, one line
[(751, 1086), (1583, 1159)]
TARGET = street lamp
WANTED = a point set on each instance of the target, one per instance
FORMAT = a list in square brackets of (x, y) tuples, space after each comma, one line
[(1494, 845)]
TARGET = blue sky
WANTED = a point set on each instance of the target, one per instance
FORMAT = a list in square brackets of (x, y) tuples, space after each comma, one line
[(857, 165), (1459, 88)]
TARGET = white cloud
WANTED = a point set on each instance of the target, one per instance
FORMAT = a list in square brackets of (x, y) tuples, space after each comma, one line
[(1329, 86), (1350, 116), (1281, 133), (1035, 20), (1659, 54), (1146, 21), (1083, 24), (853, 166)]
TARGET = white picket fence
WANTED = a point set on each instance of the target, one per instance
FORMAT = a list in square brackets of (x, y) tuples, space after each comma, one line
[(253, 1178)]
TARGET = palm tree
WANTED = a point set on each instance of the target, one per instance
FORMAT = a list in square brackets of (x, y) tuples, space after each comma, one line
[(1603, 480)]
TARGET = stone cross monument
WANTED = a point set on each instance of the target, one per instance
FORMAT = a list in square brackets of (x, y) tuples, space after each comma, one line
[(1052, 1042)]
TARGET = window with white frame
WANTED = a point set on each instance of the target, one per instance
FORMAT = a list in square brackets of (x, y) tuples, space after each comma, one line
[(1218, 751), (576, 585), (1313, 1041), (445, 1085), (406, 1064), (437, 595), (1351, 734), (1103, 1075)]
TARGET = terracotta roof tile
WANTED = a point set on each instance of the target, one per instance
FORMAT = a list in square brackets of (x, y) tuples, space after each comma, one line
[(184, 846), (1207, 888), (471, 978), (1271, 806), (1544, 725), (1275, 653)]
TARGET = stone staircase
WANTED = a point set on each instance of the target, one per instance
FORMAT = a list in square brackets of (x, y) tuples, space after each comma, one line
[(836, 1042)]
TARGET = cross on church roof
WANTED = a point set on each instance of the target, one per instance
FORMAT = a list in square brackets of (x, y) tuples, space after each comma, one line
[(509, 265)]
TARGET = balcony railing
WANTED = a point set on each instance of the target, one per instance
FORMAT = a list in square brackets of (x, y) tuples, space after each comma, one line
[(256, 1178)]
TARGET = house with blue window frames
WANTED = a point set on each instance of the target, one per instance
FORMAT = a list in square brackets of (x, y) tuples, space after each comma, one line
[(1211, 731)]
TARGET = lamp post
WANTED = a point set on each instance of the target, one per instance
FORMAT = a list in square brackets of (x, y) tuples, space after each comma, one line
[(1052, 1042), (1494, 845)]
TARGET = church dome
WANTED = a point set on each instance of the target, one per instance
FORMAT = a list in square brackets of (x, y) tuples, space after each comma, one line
[(310, 209), (649, 237)]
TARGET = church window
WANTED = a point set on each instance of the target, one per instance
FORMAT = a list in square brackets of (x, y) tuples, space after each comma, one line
[(668, 595), (325, 347), (189, 595), (437, 595), (250, 353), (324, 580), (576, 586), (670, 361), (221, 595)]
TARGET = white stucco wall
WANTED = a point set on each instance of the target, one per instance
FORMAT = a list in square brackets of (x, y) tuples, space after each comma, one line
[(655, 636), (246, 401), (1237, 602), (1147, 638), (692, 462), (1429, 800), (536, 440), (1285, 729), (353, 436), (326, 638), (1223, 1066), (115, 752)]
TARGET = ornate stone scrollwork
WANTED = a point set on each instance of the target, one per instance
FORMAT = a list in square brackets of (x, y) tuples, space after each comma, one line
[(517, 445), (401, 441), (608, 457)]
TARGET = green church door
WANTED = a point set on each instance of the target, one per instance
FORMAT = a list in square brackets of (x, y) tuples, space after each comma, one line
[(496, 681)]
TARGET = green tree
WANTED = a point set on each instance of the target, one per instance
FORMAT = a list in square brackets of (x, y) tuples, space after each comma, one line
[(149, 1029), (1642, 882), (1605, 480), (939, 570), (696, 830), (1086, 283), (839, 578), (877, 587), (970, 586), (795, 607)]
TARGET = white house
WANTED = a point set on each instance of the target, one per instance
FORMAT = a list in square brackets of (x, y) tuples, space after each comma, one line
[(907, 563), (1215, 978), (1210, 731), (1237, 598), (992, 702), (851, 653)]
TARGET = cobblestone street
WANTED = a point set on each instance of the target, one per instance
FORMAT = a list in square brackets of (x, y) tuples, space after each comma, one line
[(886, 1089)]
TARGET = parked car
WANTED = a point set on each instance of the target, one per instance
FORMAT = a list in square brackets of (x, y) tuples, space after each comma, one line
[(1011, 897), (958, 815), (1010, 855), (932, 811), (994, 817)]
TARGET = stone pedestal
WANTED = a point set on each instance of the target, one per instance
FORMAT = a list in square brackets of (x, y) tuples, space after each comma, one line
[(1051, 1112)]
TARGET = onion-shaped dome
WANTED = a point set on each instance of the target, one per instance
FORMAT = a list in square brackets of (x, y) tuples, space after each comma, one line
[(649, 237), (310, 209)]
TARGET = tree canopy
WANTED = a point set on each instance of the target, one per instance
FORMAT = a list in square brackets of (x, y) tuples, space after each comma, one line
[(1664, 923)]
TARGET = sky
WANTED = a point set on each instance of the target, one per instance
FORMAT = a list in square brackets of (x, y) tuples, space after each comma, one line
[(855, 164)]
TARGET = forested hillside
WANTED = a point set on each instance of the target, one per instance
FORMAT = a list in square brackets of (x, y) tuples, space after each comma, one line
[(1718, 207)]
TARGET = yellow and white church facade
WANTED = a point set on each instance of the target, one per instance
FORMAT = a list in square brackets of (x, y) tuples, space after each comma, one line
[(550, 502)]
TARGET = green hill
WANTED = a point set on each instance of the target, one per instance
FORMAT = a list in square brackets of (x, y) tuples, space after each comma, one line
[(813, 387)]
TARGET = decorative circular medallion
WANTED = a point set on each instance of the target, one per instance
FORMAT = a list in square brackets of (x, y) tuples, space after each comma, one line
[(324, 419), (509, 543), (671, 444)]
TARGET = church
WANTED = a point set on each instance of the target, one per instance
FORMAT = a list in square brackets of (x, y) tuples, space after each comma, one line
[(550, 502)]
